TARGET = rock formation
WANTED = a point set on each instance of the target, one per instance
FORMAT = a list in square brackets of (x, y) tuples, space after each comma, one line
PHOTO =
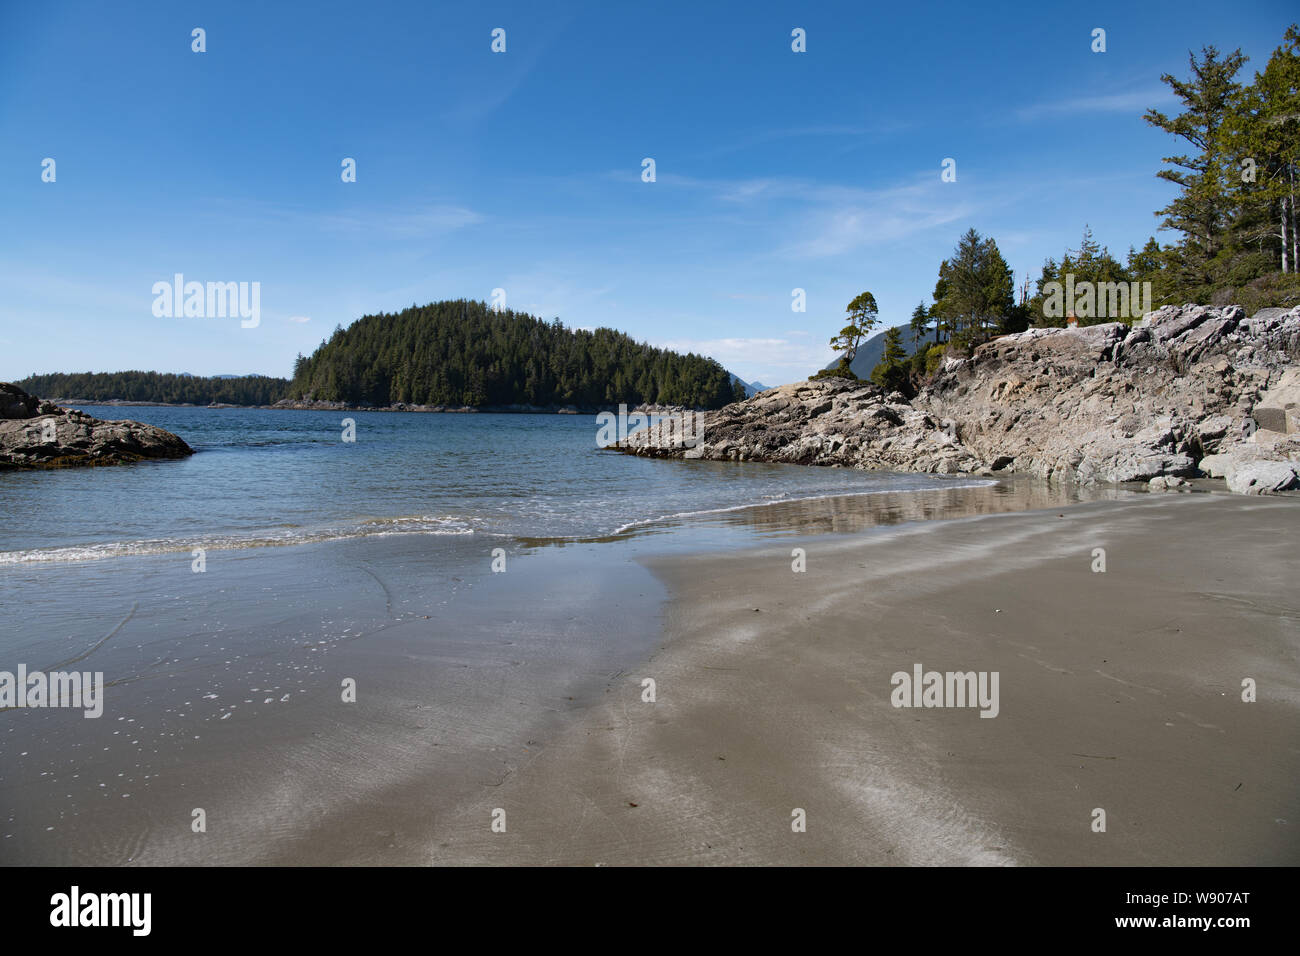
[(1187, 391), (36, 434)]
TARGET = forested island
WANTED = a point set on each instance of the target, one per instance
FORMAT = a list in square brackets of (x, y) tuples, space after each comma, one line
[(463, 353), (449, 354)]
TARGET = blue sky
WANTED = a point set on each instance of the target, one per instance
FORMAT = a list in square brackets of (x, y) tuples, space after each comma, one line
[(522, 170)]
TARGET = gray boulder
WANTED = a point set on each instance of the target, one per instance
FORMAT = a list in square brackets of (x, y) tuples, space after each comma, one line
[(1264, 478)]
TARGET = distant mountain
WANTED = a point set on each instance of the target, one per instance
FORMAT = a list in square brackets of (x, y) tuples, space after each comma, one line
[(871, 352), (869, 355), (751, 388)]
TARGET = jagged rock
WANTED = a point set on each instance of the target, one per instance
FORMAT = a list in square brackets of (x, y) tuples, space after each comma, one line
[(1264, 478), (53, 437), (1278, 409), (15, 403), (1102, 403)]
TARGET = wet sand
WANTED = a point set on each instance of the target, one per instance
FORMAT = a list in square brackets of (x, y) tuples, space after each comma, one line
[(1119, 691), (225, 693), (523, 692)]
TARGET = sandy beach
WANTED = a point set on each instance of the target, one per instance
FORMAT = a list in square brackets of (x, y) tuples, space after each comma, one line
[(521, 698), (1119, 690)]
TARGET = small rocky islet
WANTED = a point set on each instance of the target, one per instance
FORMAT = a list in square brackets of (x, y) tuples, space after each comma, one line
[(39, 434)]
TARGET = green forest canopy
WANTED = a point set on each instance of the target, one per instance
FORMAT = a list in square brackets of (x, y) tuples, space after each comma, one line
[(162, 387), (447, 353), (462, 353)]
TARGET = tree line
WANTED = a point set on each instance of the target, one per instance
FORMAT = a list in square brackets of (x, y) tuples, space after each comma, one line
[(165, 388), (463, 353), (1235, 216)]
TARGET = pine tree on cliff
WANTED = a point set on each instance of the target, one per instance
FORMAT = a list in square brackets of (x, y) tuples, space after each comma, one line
[(975, 290), (891, 373), (863, 316), (1201, 210), (920, 325), (1261, 136)]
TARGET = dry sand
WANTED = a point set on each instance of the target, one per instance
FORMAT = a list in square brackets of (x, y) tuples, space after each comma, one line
[(1119, 690)]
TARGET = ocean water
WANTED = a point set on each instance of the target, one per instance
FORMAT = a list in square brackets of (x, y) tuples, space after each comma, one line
[(263, 478)]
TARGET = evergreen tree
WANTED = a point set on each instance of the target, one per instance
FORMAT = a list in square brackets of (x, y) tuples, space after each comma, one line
[(1261, 140), (891, 373), (1090, 263), (920, 325), (975, 290), (1200, 211), (863, 316)]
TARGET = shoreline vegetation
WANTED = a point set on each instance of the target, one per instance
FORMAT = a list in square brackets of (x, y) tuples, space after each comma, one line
[(445, 356), (1236, 213)]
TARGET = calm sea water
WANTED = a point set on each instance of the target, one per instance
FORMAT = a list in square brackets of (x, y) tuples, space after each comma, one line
[(264, 478)]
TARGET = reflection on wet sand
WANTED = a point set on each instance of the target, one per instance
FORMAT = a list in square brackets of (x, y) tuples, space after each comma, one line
[(850, 514)]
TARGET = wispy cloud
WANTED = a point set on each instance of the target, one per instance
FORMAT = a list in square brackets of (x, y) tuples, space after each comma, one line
[(1136, 102), (774, 357), (422, 221), (849, 219), (432, 220)]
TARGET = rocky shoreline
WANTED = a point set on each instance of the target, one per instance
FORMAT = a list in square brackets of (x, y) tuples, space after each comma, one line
[(41, 434), (1189, 391), (317, 405)]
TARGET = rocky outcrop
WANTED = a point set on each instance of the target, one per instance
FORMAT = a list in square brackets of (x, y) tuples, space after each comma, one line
[(15, 403), (36, 434), (1103, 403)]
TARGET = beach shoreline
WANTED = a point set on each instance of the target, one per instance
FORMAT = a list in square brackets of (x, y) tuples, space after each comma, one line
[(1120, 691), (525, 693)]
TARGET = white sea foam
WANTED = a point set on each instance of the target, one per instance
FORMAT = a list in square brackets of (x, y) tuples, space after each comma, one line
[(365, 528)]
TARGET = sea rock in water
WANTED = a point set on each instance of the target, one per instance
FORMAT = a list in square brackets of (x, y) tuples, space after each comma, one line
[(1101, 403), (36, 434)]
